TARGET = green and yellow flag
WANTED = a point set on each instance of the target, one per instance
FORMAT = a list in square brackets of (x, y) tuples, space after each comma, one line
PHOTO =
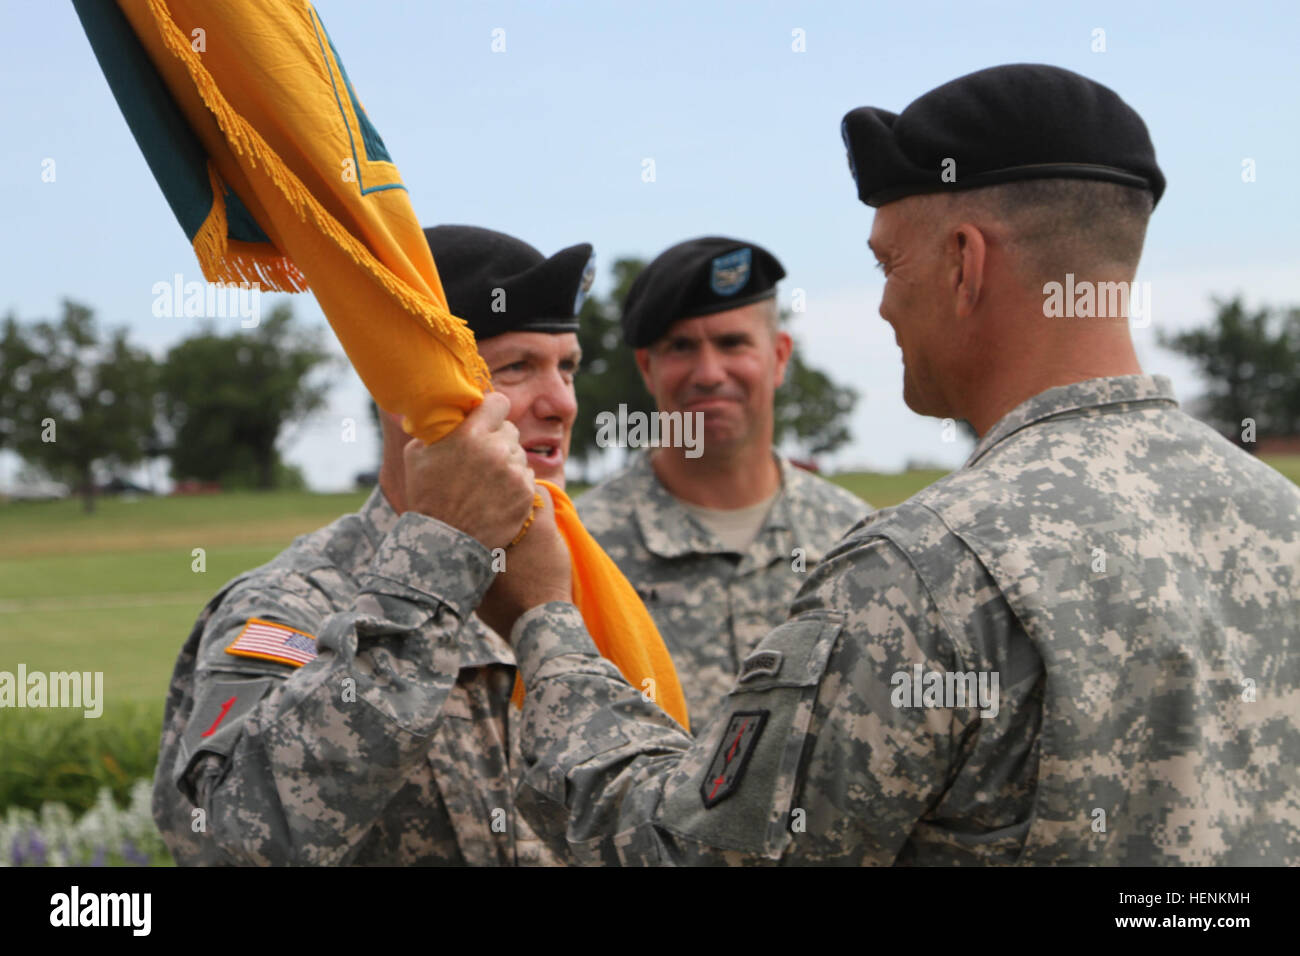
[(251, 127)]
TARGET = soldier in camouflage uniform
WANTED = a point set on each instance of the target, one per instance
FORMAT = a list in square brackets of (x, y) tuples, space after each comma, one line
[(716, 538), (1129, 578), (711, 604), (342, 704)]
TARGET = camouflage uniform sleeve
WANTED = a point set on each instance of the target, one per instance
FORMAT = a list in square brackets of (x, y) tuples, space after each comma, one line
[(276, 765), (809, 761)]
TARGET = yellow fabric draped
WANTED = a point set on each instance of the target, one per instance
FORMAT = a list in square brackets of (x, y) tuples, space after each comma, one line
[(261, 86)]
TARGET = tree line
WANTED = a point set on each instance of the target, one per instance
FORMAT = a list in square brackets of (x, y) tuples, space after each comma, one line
[(77, 403), (1250, 361)]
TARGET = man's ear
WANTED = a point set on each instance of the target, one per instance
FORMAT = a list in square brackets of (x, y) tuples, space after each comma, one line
[(643, 365), (969, 251), (784, 349)]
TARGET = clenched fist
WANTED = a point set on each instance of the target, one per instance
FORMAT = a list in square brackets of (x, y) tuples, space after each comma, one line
[(476, 479), (538, 572)]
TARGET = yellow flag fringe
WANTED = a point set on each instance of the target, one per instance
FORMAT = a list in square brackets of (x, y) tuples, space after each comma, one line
[(245, 140), (222, 260), (437, 387)]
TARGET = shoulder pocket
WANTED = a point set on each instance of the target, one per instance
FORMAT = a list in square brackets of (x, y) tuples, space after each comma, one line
[(735, 789)]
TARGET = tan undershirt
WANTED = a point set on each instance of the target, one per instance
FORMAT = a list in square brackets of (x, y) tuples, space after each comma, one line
[(734, 527)]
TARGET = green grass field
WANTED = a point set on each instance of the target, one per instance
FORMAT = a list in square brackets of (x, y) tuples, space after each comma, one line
[(1289, 465), (115, 591)]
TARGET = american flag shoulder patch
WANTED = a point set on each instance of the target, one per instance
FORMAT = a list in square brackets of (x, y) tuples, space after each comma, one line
[(270, 641)]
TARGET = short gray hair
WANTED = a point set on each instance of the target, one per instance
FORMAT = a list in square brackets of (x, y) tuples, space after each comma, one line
[(1055, 226)]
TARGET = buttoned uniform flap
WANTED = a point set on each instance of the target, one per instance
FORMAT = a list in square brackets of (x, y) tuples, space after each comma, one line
[(736, 787)]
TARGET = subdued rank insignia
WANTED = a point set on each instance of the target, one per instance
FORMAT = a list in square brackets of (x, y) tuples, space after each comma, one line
[(734, 750), (667, 592), (731, 272)]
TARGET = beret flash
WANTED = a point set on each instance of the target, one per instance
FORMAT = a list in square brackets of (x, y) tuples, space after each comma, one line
[(694, 278), (1000, 125), (499, 284)]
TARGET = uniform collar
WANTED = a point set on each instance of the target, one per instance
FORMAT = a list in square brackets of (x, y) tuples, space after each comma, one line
[(1095, 393), (377, 516), (670, 531)]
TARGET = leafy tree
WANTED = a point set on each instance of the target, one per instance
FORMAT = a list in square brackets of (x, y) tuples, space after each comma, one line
[(609, 376), (227, 400), (810, 408), (73, 401), (1251, 361), (16, 353)]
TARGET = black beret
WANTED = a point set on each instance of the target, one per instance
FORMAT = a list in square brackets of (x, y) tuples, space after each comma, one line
[(1000, 125), (498, 283), (694, 278)]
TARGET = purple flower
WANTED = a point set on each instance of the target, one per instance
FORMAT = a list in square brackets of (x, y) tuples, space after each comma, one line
[(36, 847), (16, 853), (98, 858), (132, 855)]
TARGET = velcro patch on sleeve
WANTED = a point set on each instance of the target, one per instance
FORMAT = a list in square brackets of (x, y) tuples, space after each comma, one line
[(760, 664), (733, 753), (269, 641), (218, 720)]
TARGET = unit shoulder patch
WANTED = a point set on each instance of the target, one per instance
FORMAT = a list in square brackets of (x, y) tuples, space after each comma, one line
[(732, 756)]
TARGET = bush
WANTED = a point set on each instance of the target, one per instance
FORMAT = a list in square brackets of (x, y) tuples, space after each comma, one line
[(68, 759), (105, 835)]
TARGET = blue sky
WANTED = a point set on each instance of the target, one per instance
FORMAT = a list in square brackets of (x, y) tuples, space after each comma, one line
[(547, 139)]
